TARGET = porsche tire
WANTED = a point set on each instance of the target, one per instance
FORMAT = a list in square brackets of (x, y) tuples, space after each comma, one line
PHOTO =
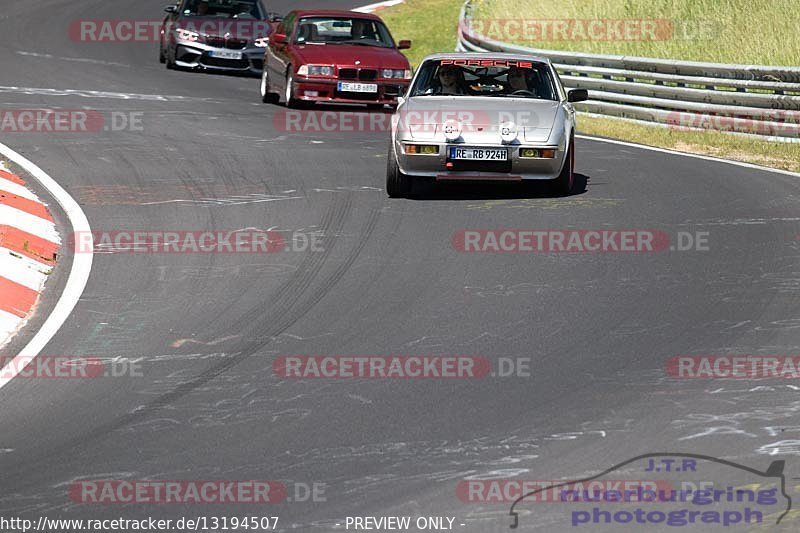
[(398, 185), (565, 181)]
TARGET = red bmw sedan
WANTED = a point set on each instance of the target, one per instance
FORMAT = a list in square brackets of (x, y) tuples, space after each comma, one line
[(334, 56)]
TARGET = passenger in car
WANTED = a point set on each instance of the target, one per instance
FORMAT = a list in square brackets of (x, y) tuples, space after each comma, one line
[(307, 33)]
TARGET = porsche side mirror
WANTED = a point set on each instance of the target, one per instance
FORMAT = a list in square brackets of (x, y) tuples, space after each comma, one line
[(405, 44), (577, 95), (171, 9)]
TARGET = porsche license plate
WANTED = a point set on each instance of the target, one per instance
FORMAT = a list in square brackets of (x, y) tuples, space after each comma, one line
[(478, 154), (349, 87)]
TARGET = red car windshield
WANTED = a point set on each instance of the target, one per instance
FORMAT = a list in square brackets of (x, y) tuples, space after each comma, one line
[(485, 77), (343, 30)]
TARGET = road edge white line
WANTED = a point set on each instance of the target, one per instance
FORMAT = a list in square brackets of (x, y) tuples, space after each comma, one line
[(372, 8), (78, 275), (687, 154)]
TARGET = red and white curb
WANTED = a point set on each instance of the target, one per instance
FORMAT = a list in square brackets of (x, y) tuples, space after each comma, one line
[(79, 272), (29, 244), (372, 8)]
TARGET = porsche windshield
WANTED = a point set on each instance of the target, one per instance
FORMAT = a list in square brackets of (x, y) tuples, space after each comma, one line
[(485, 77), (358, 31)]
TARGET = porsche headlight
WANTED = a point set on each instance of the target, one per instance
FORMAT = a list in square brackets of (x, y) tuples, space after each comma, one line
[(262, 42)]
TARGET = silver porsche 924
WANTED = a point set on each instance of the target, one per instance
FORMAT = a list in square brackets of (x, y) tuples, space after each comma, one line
[(484, 117)]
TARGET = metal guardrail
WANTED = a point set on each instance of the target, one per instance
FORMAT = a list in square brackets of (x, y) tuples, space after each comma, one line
[(745, 99)]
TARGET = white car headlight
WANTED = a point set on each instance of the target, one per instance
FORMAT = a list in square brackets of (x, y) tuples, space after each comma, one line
[(187, 35), (262, 42)]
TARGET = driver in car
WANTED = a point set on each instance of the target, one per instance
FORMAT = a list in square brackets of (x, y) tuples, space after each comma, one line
[(202, 9), (362, 30), (518, 80), (522, 79), (451, 80)]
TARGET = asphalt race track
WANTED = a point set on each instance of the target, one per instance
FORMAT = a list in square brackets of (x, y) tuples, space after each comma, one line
[(598, 328)]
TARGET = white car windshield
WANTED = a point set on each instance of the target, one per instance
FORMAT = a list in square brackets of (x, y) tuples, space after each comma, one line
[(485, 77)]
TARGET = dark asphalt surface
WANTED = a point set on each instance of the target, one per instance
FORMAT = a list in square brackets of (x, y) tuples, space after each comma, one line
[(205, 329)]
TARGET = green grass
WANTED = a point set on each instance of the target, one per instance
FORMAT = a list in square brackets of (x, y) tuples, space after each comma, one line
[(726, 31), (785, 156), (432, 25)]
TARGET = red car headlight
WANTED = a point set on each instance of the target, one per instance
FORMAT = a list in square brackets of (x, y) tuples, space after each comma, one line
[(324, 71), (400, 74)]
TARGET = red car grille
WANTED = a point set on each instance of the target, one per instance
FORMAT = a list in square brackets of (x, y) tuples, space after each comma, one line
[(367, 74), (361, 74)]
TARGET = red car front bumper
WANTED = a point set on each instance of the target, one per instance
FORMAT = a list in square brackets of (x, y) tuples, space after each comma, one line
[(316, 90)]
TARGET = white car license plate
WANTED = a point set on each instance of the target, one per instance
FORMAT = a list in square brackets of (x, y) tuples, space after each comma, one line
[(349, 87), (225, 54), (479, 154)]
